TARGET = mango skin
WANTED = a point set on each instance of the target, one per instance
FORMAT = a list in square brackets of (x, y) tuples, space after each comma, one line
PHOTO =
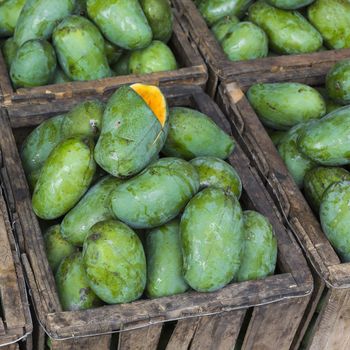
[(72, 285), (338, 82), (60, 77), (80, 49), (157, 194), (330, 104), (157, 57), (113, 53), (317, 180), (9, 50), (131, 134), (164, 261), (9, 13), (56, 247), (214, 172), (335, 217), (289, 4), (38, 19), (115, 262), (259, 254), (121, 67), (211, 233), (94, 207), (332, 19), (122, 22), (64, 178), (34, 64), (223, 27), (283, 105), (288, 31), (276, 136), (191, 135)]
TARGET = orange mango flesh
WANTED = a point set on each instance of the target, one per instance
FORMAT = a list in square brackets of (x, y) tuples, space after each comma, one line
[(154, 99)]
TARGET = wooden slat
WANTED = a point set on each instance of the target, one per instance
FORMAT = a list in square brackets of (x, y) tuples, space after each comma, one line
[(88, 343), (183, 333)]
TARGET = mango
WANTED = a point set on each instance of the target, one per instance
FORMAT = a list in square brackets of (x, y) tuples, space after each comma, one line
[(72, 285), (317, 180), (60, 77), (9, 50), (113, 53), (289, 4), (34, 64), (157, 57), (115, 262), (330, 104), (122, 22), (288, 31), (283, 105), (191, 135), (214, 172), (211, 233), (164, 261), (80, 49), (223, 27), (159, 17), (332, 19), (38, 19), (276, 136), (9, 13), (80, 8), (157, 194), (94, 207), (64, 178), (338, 82), (121, 67), (335, 217)]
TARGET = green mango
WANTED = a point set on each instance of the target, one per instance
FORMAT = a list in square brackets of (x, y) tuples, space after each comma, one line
[(296, 163), (122, 22), (9, 13), (289, 4), (94, 207), (115, 262), (211, 233), (335, 217), (157, 194), (60, 76), (164, 261), (64, 178), (121, 67), (9, 50), (327, 141), (283, 105), (34, 64), (332, 19), (223, 27), (80, 49), (131, 133), (159, 17), (38, 19), (276, 136), (338, 82), (214, 172), (80, 8), (72, 285), (157, 57), (259, 253), (245, 41), (56, 247), (317, 180), (288, 31), (191, 135), (113, 53), (330, 104)]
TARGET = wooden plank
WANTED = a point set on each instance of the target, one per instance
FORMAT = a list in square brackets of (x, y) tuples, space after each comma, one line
[(183, 333), (11, 347), (102, 342)]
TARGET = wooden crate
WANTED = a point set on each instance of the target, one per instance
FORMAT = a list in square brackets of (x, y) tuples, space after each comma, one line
[(192, 71), (260, 314), (220, 68), (331, 277)]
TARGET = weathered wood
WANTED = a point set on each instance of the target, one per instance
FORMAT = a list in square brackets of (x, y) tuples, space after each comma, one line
[(87, 343), (183, 333)]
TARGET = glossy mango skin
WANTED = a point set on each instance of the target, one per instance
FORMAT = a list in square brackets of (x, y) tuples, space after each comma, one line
[(214, 172), (223, 27), (338, 82), (327, 141), (94, 207), (211, 233), (332, 19), (9, 13), (115, 262), (289, 4), (157, 57), (317, 180), (80, 49), (34, 64), (9, 50), (191, 134), (72, 285), (64, 178), (131, 134), (38, 19), (164, 261), (259, 254), (157, 194), (122, 22), (288, 31), (283, 105), (335, 217)]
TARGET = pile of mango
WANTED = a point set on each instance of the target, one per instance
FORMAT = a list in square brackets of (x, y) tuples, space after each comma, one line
[(123, 222), (284, 27), (52, 42), (311, 130)]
